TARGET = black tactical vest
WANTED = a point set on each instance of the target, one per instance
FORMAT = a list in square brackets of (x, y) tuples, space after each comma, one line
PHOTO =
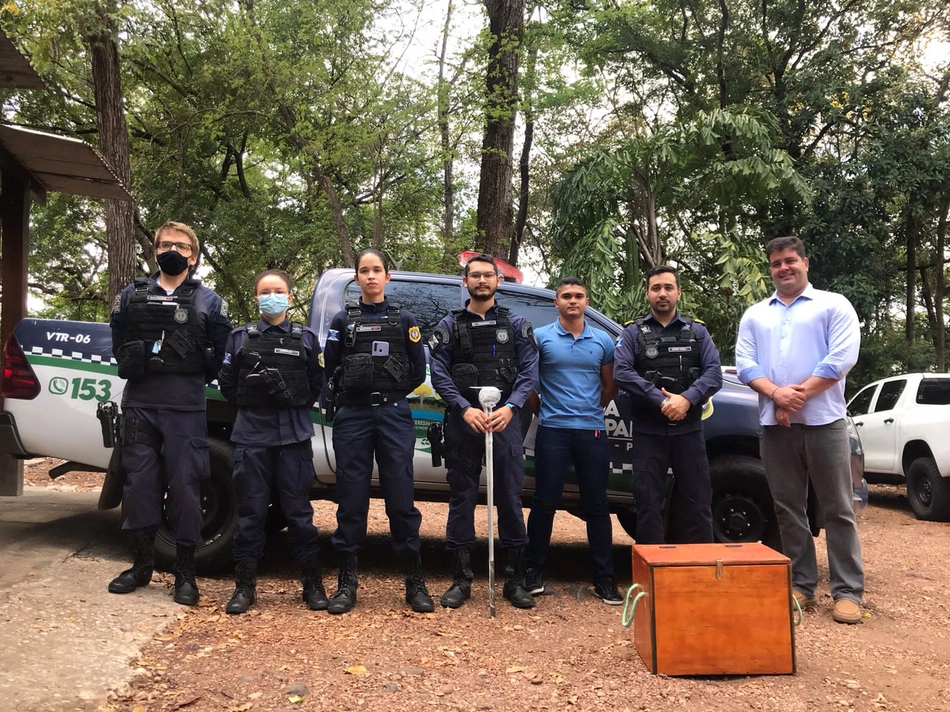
[(670, 362), (272, 369), (375, 358), (484, 353), (175, 340)]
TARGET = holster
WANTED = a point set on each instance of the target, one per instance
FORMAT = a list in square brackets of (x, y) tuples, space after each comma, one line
[(434, 436), (111, 423), (130, 358)]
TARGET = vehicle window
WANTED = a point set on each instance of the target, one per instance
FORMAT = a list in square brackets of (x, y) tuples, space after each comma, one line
[(861, 403), (428, 302), (539, 310), (934, 391), (890, 392)]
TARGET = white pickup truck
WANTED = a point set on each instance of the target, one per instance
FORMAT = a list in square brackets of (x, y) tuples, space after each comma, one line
[(904, 422)]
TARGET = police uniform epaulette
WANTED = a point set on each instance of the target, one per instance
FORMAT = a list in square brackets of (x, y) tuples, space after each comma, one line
[(699, 321)]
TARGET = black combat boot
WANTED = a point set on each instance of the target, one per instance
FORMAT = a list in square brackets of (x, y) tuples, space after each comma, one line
[(186, 588), (347, 582), (462, 576), (311, 577), (515, 590), (245, 588), (417, 595), (143, 551)]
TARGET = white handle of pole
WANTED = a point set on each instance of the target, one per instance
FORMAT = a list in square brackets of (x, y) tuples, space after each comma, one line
[(489, 396)]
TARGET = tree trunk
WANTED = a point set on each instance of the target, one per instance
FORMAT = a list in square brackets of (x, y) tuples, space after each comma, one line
[(448, 158), (910, 295), (494, 216), (114, 144), (521, 220), (940, 335)]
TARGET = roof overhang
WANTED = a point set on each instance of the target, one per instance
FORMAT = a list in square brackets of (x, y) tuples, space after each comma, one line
[(62, 164), (15, 69)]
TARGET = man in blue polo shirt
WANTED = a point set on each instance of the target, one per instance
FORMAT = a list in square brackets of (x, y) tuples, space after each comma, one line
[(575, 383)]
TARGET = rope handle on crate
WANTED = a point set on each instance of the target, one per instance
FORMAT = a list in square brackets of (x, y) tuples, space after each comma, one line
[(630, 604), (798, 610)]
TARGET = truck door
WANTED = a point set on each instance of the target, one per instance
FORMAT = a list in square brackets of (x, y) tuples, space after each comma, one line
[(879, 432)]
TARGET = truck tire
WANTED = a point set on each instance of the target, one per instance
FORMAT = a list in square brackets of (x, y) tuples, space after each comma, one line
[(219, 518), (928, 492), (742, 508)]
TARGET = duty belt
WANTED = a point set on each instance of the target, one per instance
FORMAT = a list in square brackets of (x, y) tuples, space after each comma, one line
[(376, 398)]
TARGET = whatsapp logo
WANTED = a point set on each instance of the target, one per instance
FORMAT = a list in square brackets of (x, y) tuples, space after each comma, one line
[(58, 386)]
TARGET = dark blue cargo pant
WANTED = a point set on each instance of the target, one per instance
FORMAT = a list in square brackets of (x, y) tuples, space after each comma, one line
[(464, 450), (179, 470), (387, 432), (284, 470), (653, 455)]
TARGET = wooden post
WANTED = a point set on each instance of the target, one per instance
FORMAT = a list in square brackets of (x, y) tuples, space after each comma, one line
[(15, 221)]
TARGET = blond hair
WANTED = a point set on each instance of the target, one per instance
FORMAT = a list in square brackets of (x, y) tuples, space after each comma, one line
[(171, 226)]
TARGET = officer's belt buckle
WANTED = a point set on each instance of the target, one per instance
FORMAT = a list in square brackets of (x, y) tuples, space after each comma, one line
[(376, 399)]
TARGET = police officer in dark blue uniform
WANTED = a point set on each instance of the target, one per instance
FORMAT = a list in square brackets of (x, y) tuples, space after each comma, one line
[(375, 356), (484, 344), (670, 366), (273, 372), (168, 337)]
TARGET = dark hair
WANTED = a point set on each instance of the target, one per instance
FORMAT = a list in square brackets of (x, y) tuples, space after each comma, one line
[(372, 251), (788, 242), (481, 257), (664, 269), (275, 273), (570, 282)]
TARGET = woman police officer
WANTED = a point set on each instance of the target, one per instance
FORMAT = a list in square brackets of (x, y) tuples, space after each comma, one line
[(375, 356), (273, 372)]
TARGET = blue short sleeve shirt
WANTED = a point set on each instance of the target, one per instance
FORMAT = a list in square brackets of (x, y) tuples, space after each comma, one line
[(570, 376)]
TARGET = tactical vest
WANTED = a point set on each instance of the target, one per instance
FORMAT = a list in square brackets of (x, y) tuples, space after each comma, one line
[(272, 370), (670, 362), (169, 326), (375, 358), (484, 352)]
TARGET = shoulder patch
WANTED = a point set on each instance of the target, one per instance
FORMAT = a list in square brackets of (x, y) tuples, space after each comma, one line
[(117, 303), (439, 336), (414, 334), (527, 332), (227, 357), (224, 308), (620, 340), (320, 360), (333, 335)]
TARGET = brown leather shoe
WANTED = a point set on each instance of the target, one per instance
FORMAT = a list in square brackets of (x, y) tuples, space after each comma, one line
[(807, 603), (846, 611)]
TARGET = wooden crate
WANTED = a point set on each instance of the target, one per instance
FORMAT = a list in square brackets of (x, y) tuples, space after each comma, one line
[(714, 609)]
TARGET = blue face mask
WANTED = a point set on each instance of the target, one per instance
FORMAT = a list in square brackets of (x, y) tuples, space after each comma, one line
[(273, 305)]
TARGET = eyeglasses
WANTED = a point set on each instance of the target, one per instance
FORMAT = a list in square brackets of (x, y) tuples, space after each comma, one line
[(478, 276), (183, 248)]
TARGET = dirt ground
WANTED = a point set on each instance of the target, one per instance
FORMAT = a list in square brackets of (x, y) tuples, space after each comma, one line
[(570, 652)]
